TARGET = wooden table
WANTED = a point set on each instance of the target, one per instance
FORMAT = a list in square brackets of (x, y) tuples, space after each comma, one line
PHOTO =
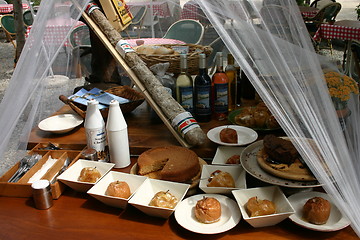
[(79, 216)]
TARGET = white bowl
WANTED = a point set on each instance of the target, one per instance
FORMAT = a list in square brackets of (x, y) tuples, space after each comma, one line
[(99, 189), (236, 171), (223, 153), (70, 176), (62, 123), (149, 188), (273, 193)]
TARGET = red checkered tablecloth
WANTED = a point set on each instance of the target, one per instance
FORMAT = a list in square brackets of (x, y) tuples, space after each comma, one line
[(190, 11), (154, 41), (160, 9), (56, 30), (8, 8), (309, 14), (340, 30)]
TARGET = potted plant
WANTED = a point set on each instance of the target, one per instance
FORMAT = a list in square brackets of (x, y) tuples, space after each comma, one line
[(340, 88)]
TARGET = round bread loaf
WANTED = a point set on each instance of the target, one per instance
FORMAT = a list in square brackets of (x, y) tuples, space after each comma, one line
[(170, 163)]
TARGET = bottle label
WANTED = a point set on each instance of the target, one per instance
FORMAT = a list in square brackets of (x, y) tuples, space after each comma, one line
[(203, 100), (186, 98), (184, 122), (96, 139), (221, 98)]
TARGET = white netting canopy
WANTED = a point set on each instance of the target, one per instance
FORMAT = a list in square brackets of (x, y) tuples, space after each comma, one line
[(269, 40)]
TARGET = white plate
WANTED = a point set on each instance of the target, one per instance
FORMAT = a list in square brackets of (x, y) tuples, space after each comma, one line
[(223, 153), (335, 222), (60, 123), (245, 135), (230, 215), (249, 162)]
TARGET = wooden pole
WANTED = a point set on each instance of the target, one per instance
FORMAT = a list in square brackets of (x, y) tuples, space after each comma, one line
[(168, 105)]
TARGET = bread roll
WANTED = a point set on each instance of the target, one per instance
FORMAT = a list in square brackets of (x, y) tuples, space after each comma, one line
[(118, 189), (164, 51), (208, 210), (89, 174), (317, 210), (145, 49)]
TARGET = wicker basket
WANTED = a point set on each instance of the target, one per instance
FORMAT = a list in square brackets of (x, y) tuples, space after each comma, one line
[(174, 59), (135, 97)]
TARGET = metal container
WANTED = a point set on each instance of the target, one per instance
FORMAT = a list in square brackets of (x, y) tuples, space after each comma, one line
[(42, 194)]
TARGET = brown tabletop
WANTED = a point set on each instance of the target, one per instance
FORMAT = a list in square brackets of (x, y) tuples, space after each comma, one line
[(79, 216)]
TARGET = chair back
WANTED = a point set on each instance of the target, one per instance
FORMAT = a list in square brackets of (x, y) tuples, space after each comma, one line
[(8, 24), (28, 18), (217, 46), (321, 3), (138, 17), (187, 30), (331, 11), (80, 36)]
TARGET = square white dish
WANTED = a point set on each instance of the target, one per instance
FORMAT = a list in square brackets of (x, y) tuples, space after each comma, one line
[(70, 176), (223, 153), (236, 171), (149, 188), (273, 193), (98, 191)]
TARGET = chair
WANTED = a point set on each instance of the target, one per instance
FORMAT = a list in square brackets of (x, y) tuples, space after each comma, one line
[(150, 21), (326, 14), (321, 3), (217, 46), (354, 70), (28, 18), (136, 23), (187, 30), (81, 49), (8, 24)]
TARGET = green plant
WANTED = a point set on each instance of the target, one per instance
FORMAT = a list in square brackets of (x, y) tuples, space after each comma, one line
[(357, 9)]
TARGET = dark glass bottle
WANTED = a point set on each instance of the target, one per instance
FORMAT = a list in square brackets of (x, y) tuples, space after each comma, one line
[(247, 89), (202, 92), (237, 86)]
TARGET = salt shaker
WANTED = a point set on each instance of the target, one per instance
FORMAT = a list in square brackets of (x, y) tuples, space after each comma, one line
[(41, 190), (117, 136)]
